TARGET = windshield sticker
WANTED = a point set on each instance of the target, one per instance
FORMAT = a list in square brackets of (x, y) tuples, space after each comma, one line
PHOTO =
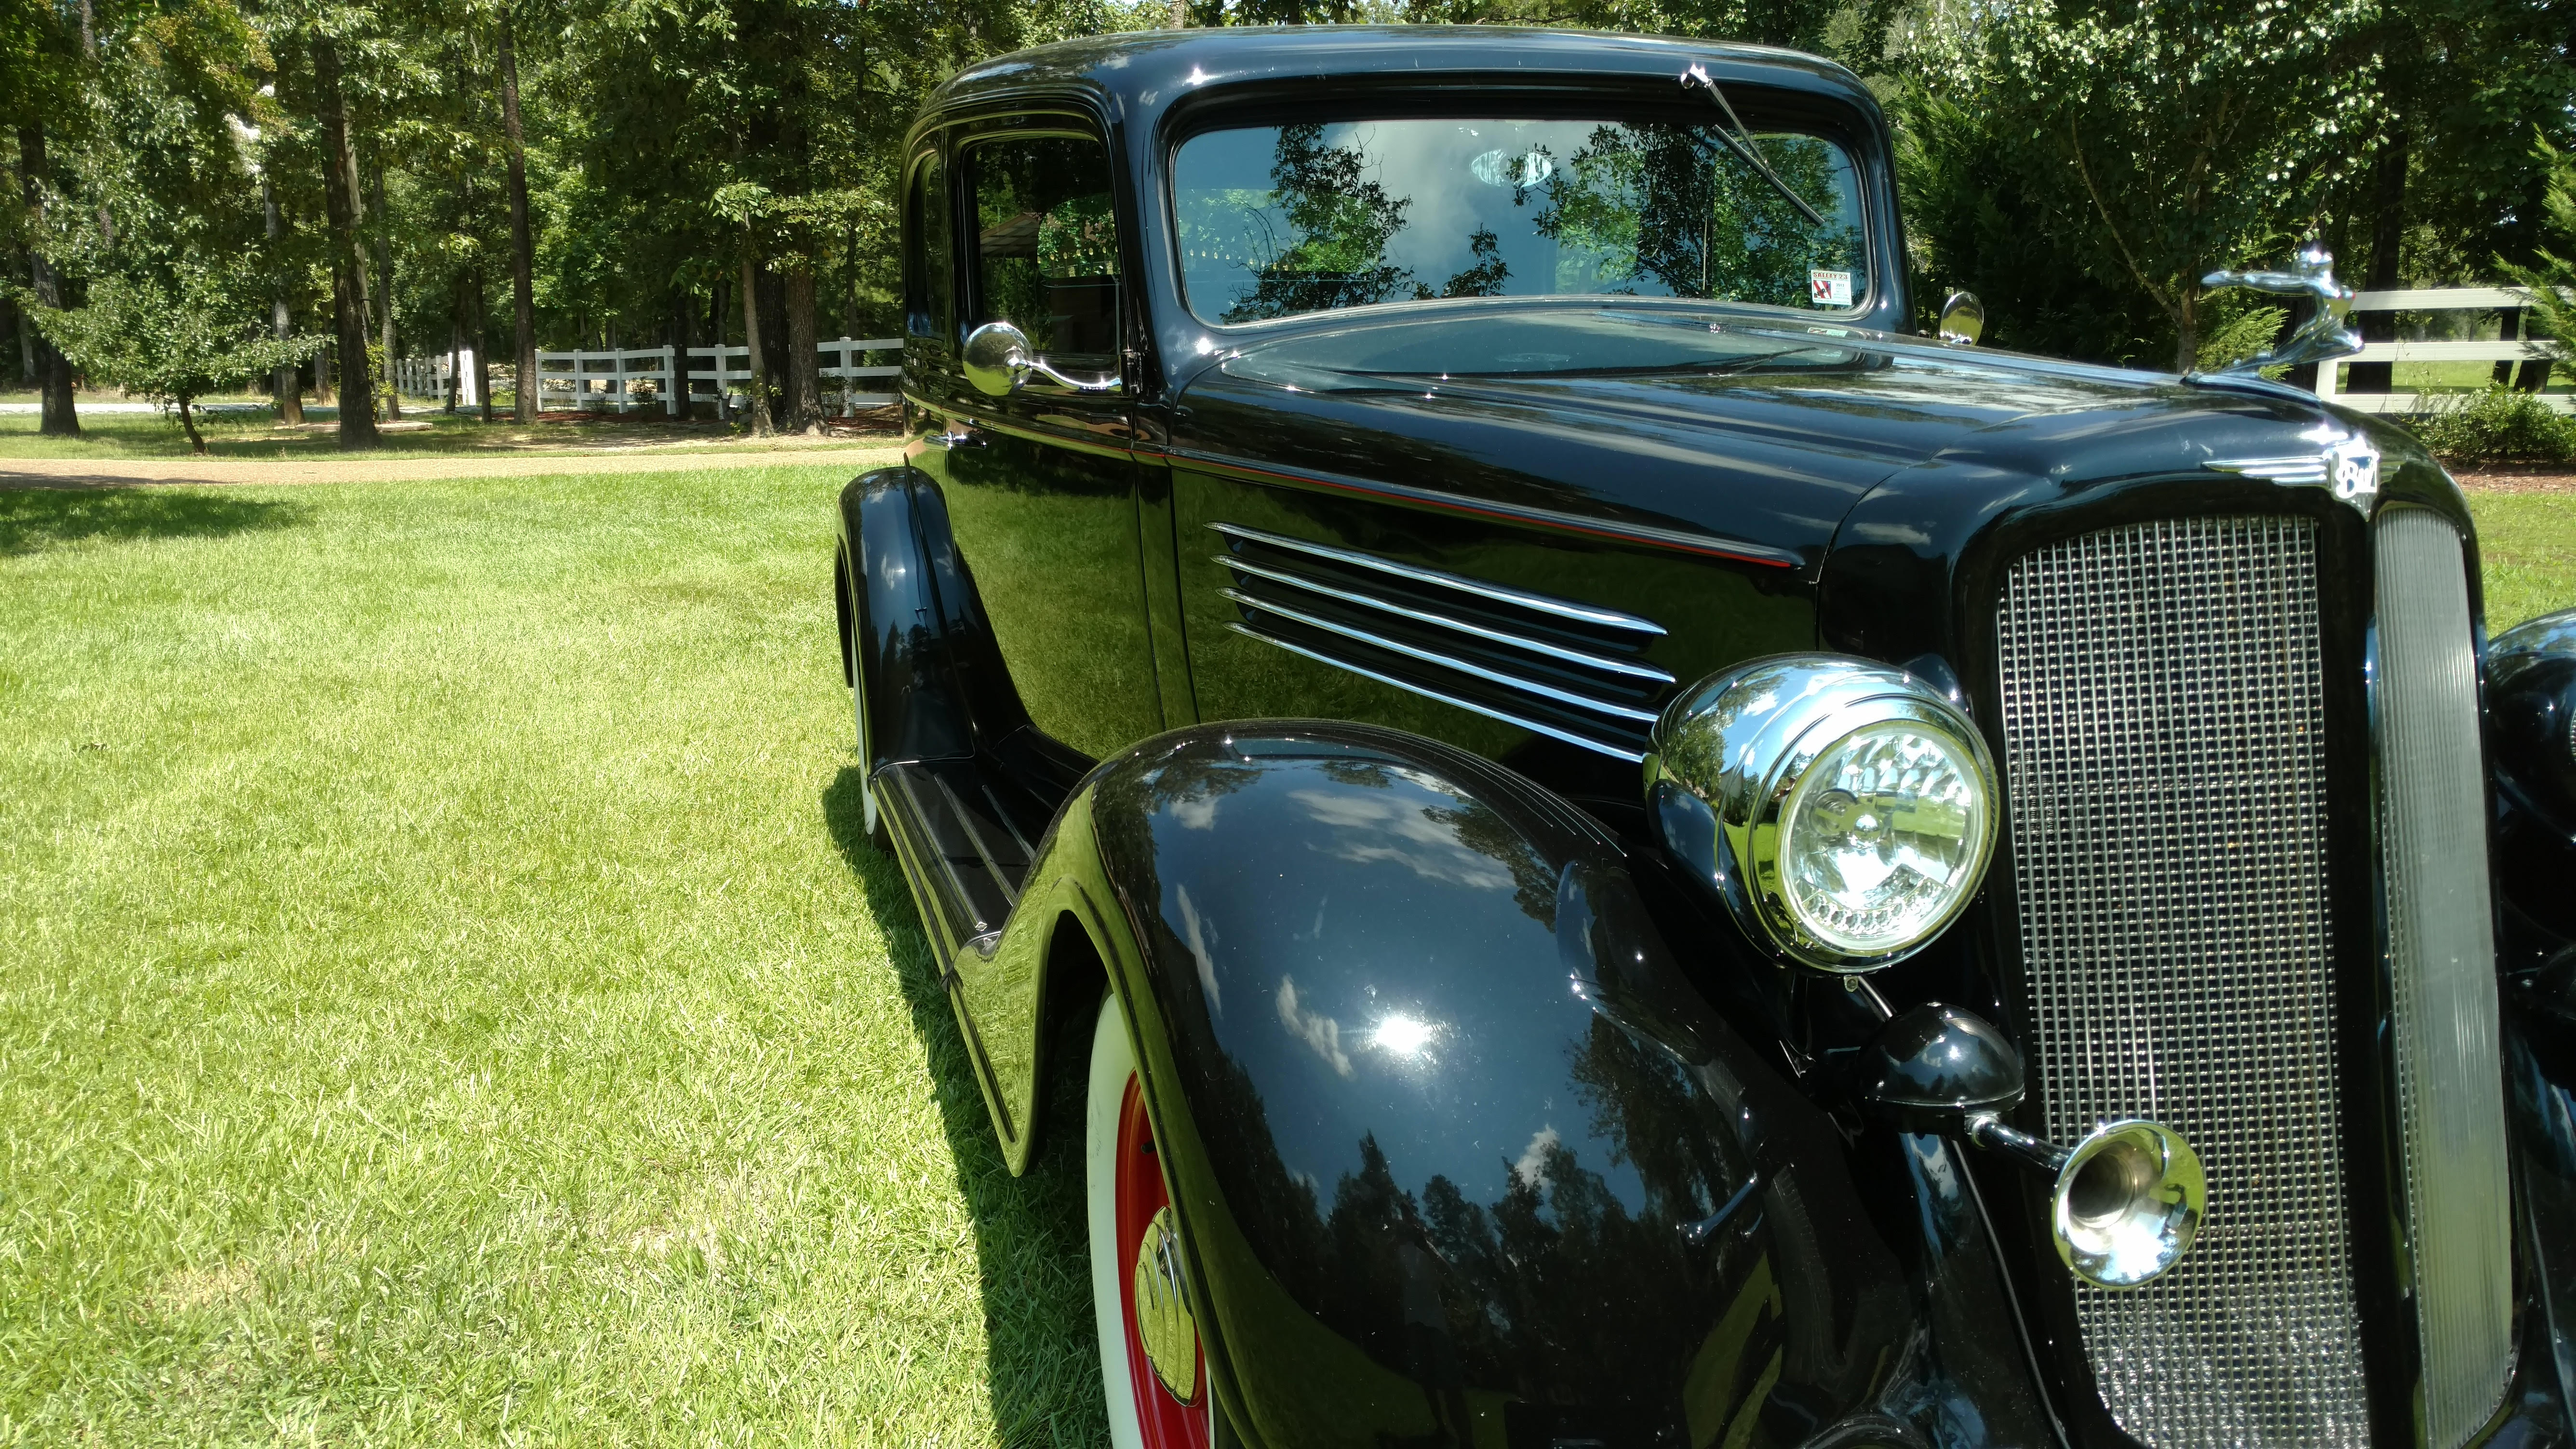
[(1829, 289)]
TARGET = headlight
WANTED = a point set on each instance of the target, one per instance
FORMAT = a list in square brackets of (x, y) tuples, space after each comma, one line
[(1843, 811)]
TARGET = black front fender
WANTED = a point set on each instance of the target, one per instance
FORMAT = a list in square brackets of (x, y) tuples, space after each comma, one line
[(1460, 1155), (934, 682)]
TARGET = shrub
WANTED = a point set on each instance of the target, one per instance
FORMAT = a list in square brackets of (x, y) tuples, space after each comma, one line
[(2498, 425)]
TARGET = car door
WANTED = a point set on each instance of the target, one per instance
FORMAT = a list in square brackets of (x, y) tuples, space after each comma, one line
[(1040, 485)]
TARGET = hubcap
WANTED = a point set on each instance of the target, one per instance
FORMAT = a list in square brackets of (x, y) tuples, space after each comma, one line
[(1163, 1324), (1165, 1364)]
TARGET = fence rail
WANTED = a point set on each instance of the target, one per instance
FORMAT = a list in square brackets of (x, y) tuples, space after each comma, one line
[(427, 377), (2510, 300), (623, 379)]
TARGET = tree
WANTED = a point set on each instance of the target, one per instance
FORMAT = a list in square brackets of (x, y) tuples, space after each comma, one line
[(2099, 158), (2549, 277), (523, 303), (341, 202), (174, 342), (41, 87)]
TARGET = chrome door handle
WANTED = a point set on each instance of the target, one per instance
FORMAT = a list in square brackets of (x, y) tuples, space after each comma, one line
[(958, 437)]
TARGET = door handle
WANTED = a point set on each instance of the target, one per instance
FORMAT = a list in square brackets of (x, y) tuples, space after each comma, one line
[(958, 436)]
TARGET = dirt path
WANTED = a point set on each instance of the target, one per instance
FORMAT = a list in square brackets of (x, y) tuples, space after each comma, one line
[(2516, 481), (126, 472)]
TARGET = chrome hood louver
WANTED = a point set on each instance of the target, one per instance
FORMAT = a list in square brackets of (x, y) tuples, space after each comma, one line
[(1563, 669)]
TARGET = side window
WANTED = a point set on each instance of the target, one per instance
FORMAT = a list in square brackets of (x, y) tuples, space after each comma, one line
[(1045, 250), (929, 266)]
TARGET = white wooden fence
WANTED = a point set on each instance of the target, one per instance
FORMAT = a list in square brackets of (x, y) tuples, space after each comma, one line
[(427, 377), (842, 362), (622, 379), (2443, 299)]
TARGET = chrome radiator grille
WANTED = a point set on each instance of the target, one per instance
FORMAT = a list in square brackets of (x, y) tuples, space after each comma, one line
[(2163, 721)]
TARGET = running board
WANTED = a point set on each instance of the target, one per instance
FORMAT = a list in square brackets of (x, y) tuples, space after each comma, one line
[(962, 853)]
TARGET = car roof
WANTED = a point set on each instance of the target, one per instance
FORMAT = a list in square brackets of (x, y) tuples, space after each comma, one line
[(1140, 73)]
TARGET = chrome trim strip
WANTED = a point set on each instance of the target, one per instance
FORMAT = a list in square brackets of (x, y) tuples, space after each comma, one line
[(1580, 613), (1650, 535), (2297, 468), (1561, 696), (1571, 656), (2438, 907), (1488, 711)]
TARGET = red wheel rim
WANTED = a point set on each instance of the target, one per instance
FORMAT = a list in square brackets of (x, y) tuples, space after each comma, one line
[(1165, 1422)]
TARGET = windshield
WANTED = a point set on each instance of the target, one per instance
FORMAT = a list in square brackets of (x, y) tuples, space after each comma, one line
[(1278, 220)]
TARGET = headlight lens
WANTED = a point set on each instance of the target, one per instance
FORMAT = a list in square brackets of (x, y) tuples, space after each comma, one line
[(1882, 838), (1843, 811)]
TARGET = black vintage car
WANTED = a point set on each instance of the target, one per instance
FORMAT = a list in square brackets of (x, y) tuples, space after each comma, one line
[(1633, 852)]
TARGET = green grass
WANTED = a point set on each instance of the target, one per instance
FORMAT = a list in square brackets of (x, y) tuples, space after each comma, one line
[(444, 998), (2461, 376), (2527, 543), (258, 435)]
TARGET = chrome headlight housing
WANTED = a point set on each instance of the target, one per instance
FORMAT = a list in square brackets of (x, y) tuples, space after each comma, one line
[(1843, 811)]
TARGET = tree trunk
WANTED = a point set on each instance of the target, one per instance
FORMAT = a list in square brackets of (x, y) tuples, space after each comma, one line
[(716, 312), (2387, 238), (53, 370), (287, 382), (326, 387), (804, 376), (26, 332), (385, 293), (771, 288), (756, 396), (523, 265), (455, 343), (482, 349), (2187, 326), (1180, 14), (188, 424), (348, 262)]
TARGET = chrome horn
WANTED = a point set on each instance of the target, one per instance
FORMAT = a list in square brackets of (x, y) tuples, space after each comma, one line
[(2127, 1201), (2124, 1203)]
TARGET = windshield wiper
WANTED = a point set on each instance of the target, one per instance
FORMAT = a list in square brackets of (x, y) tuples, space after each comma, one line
[(1741, 143)]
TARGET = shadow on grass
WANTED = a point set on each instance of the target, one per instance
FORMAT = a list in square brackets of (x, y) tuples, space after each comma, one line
[(38, 518), (1042, 1362)]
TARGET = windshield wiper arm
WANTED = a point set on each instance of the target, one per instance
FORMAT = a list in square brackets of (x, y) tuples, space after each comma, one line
[(1740, 141)]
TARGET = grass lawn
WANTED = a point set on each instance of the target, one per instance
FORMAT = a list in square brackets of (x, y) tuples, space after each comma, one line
[(424, 433), (443, 996), (2527, 543)]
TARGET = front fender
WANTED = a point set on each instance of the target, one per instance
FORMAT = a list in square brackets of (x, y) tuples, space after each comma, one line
[(933, 680), (1460, 1155)]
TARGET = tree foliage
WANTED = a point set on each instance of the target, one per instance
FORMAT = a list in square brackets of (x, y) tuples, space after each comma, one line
[(2080, 163), (177, 340)]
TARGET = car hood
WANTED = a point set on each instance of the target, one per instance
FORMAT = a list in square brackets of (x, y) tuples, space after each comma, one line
[(1673, 417)]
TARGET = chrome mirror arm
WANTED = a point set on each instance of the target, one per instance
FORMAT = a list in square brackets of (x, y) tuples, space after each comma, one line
[(2324, 337), (1109, 382)]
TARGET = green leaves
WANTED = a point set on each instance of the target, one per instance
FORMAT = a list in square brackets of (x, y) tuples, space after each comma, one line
[(176, 338), (2131, 147)]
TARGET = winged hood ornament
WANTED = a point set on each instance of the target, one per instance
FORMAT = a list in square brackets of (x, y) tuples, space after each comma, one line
[(2325, 336)]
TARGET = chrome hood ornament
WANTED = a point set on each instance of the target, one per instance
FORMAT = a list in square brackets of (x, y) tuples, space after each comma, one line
[(2323, 337)]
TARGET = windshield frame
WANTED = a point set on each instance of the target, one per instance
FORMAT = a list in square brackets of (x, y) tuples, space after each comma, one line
[(1597, 98)]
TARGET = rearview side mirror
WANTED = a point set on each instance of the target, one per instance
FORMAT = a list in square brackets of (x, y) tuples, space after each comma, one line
[(1963, 320), (999, 361)]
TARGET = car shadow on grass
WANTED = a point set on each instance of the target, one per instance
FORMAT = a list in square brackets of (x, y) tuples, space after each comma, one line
[(35, 519), (1042, 1362)]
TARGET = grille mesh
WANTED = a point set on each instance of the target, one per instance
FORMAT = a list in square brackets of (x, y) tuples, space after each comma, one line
[(2163, 723)]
